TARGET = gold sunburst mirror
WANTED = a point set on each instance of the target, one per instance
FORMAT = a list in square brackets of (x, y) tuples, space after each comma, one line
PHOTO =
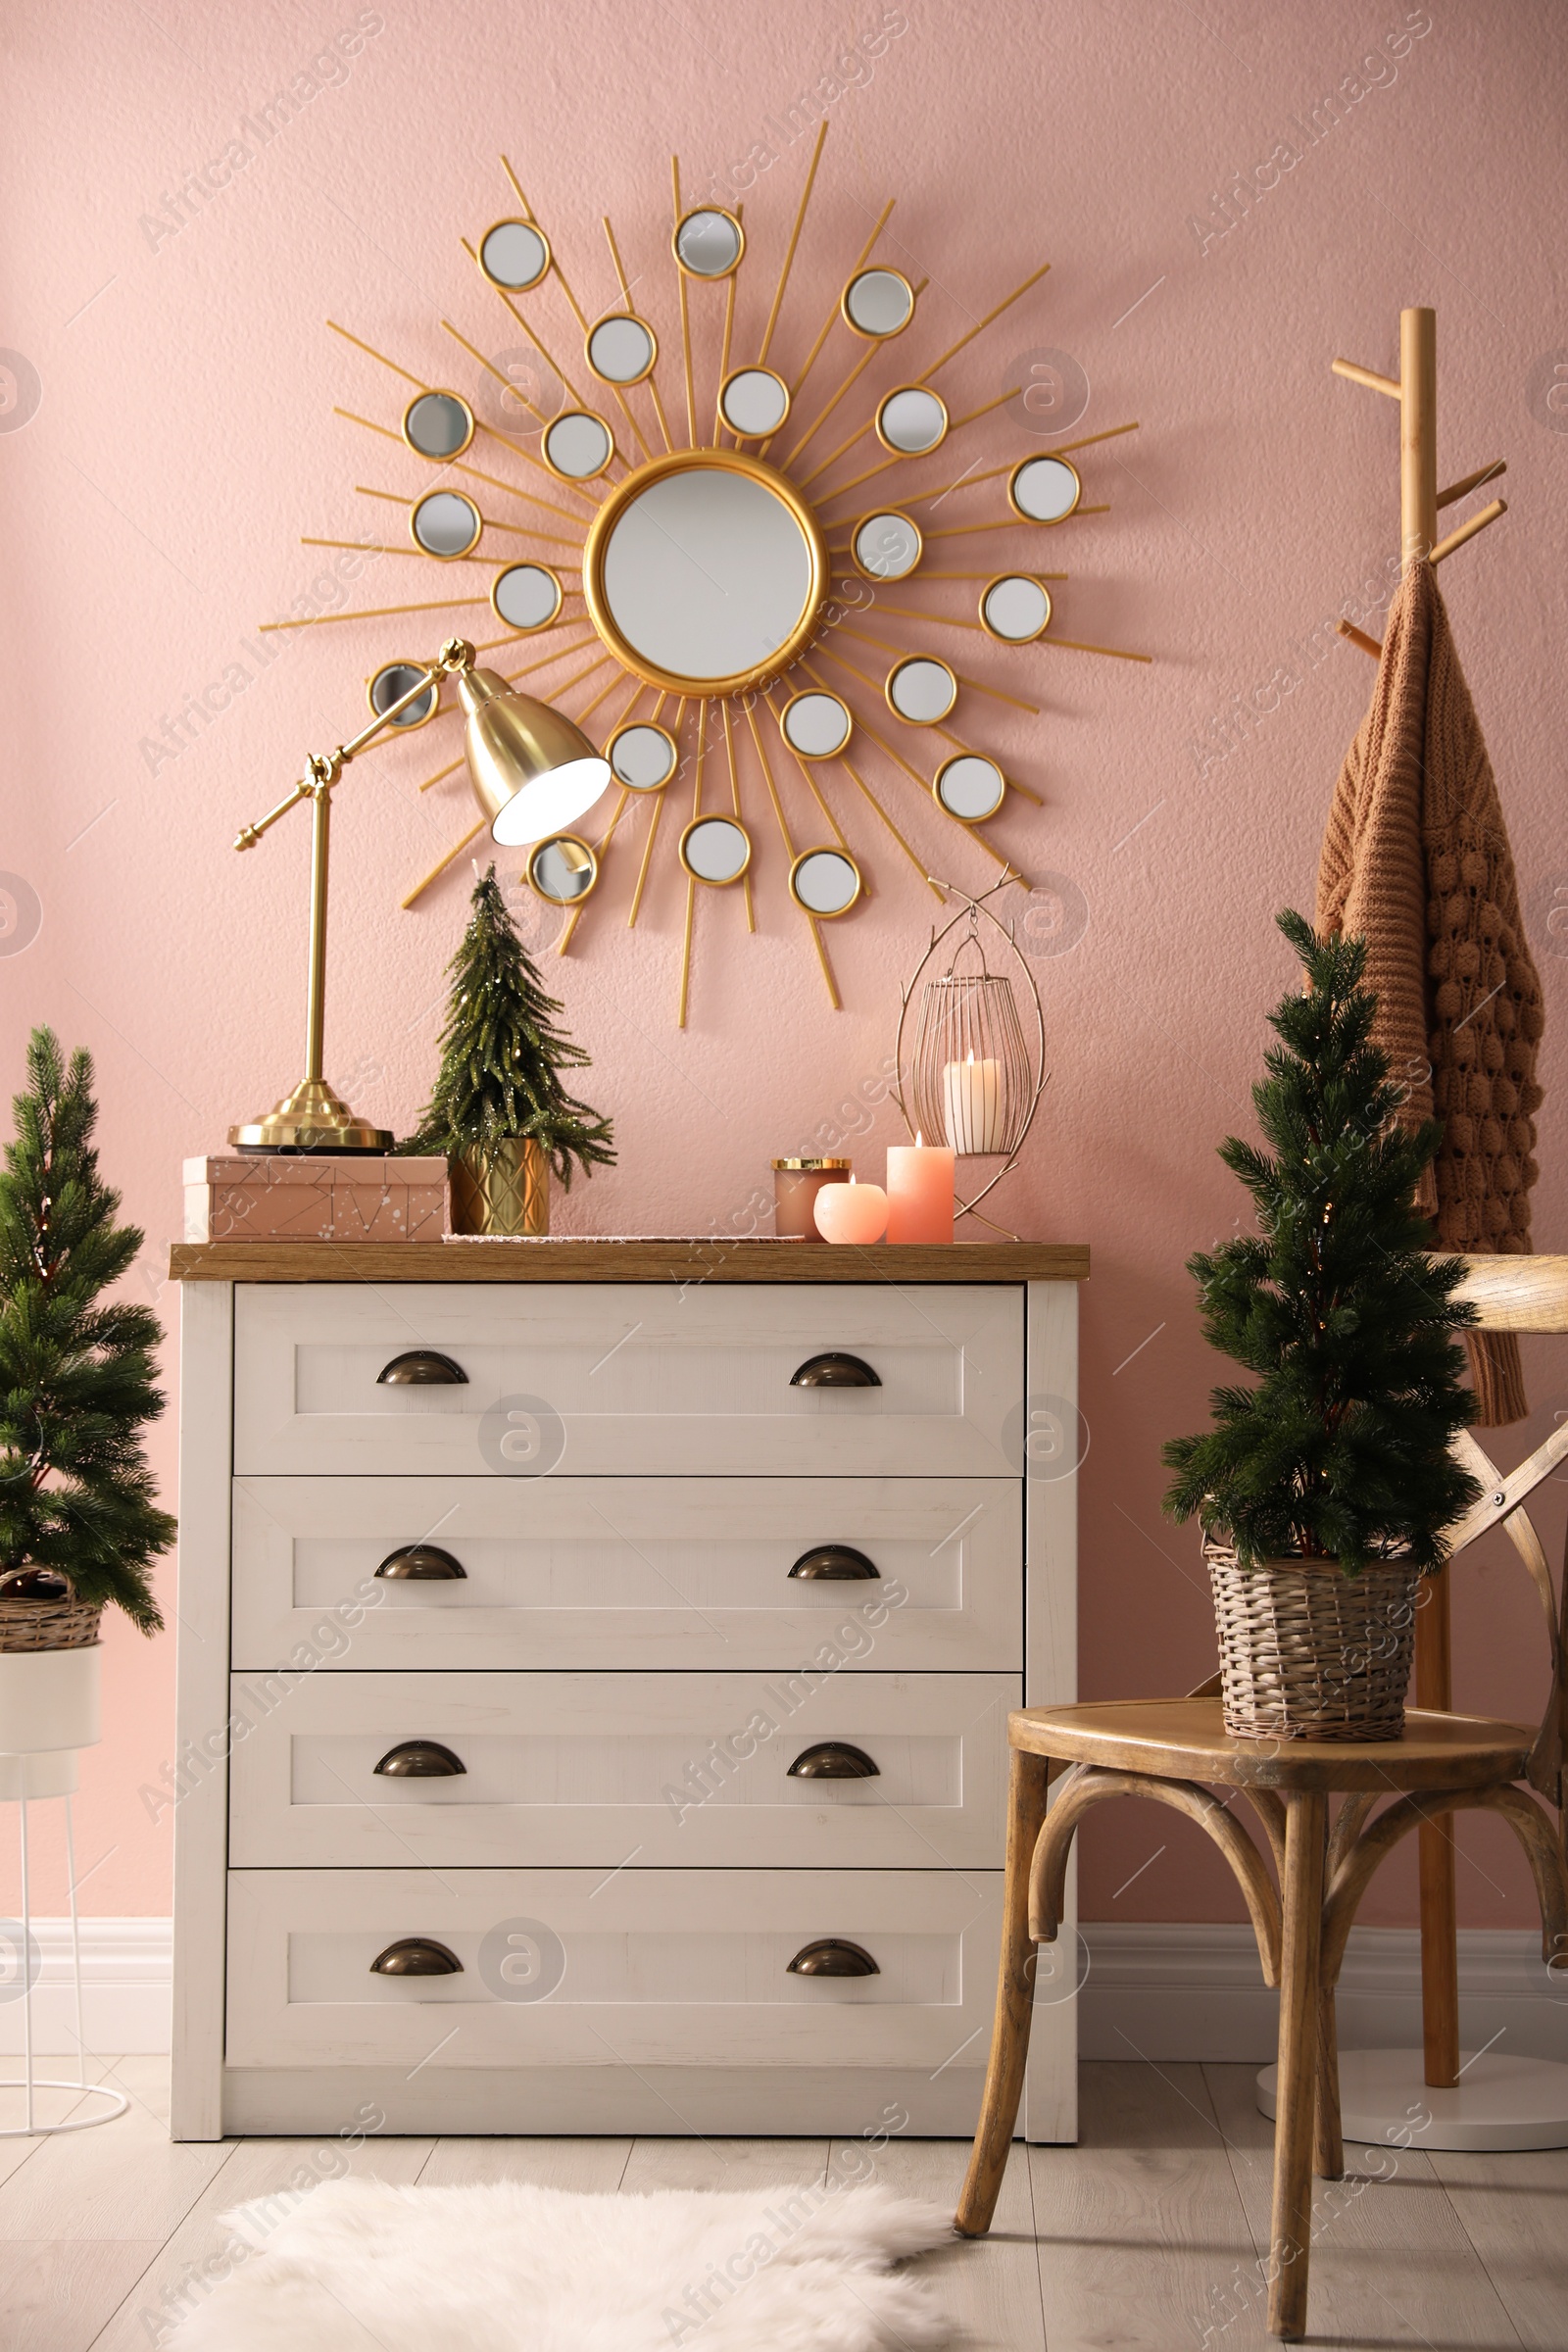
[(708, 590)]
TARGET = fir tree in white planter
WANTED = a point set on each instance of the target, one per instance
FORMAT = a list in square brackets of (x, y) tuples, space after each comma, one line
[(79, 1523)]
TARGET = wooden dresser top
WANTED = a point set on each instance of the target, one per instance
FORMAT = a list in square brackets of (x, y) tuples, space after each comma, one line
[(697, 1260)]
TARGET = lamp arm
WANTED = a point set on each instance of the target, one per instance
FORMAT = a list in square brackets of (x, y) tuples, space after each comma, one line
[(322, 771)]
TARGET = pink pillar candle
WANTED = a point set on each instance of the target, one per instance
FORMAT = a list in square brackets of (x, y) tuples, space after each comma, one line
[(851, 1212), (919, 1193)]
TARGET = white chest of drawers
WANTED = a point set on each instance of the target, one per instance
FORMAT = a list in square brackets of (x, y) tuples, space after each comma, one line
[(549, 1720)]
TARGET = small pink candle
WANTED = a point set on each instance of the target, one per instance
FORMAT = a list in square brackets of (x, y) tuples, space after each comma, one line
[(919, 1193), (851, 1212)]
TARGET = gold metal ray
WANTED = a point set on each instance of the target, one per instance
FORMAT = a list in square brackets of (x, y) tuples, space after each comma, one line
[(608, 833), (372, 546), (975, 685), (807, 776), (691, 416), (1010, 523), (319, 620), (861, 430), (547, 356), (436, 872), (858, 781), (526, 455), (659, 797), (450, 769), (1061, 449), (587, 713), (906, 457), (980, 327), (924, 782), (651, 379), (370, 352), (795, 239), (812, 924), (512, 530), (959, 744), (724, 357), (735, 796), (696, 809), (965, 481), (827, 323)]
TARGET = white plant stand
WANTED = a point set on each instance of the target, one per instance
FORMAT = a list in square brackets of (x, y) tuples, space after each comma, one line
[(1499, 2104), (42, 1696)]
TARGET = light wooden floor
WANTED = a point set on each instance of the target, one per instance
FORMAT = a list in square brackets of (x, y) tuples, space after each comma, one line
[(1144, 2239)]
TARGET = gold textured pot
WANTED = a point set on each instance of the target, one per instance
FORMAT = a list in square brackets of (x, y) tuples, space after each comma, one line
[(500, 1188)]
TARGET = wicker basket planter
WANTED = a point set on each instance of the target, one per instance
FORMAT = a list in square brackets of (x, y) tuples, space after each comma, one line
[(28, 1625), (1307, 1652)]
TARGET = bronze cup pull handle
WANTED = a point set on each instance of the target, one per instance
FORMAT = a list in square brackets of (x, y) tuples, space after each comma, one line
[(835, 1370), (422, 1563), (835, 1563), (833, 1760), (416, 1956), (420, 1760), (833, 1957), (421, 1368)]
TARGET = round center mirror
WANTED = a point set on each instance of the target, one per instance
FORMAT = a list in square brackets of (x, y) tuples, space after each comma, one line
[(622, 349), (715, 850), (886, 547), (825, 882), (878, 303), (562, 870), (438, 424), (1045, 489), (911, 421), (703, 572), (514, 255), (1015, 608), (970, 788), (921, 690), (708, 243), (754, 403), (445, 524), (525, 596), (642, 757), (577, 445), (816, 725), (395, 681)]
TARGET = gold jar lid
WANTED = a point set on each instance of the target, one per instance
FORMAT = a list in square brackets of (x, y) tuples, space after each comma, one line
[(813, 1163)]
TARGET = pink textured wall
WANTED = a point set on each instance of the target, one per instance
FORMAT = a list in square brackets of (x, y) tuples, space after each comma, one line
[(167, 435)]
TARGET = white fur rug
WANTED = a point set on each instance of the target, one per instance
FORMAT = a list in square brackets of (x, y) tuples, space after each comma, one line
[(355, 2266)]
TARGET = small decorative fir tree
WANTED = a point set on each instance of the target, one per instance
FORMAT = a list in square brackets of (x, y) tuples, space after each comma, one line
[(502, 1056), (75, 1377), (1341, 1451)]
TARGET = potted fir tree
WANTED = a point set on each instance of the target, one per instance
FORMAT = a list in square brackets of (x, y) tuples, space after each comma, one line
[(1325, 1491), (79, 1525), (500, 1111)]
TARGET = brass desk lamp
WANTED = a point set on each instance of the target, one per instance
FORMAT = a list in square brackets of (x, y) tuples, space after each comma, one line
[(532, 772)]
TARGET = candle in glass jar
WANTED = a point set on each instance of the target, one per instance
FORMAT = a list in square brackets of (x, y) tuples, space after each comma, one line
[(971, 1096), (919, 1192), (851, 1212)]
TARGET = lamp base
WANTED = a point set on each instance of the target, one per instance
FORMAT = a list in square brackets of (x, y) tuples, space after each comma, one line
[(313, 1118)]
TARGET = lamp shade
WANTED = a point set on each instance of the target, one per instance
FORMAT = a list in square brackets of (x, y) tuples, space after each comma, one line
[(533, 772)]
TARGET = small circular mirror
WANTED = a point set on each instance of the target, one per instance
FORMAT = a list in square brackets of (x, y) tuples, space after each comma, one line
[(1015, 608), (969, 787), (578, 445), (911, 421), (754, 402), (1045, 489), (825, 882), (886, 547), (878, 303), (514, 255), (445, 524), (396, 679), (562, 870), (921, 690), (715, 850), (816, 725), (708, 243), (438, 424), (526, 596), (622, 349), (642, 757)]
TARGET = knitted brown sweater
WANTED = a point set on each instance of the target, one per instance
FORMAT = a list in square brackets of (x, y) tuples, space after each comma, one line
[(1416, 862)]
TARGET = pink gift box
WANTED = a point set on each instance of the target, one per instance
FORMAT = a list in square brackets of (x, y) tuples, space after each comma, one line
[(299, 1197)]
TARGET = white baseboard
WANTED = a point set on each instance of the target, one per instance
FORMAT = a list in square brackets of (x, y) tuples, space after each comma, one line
[(1194, 1991), (1152, 1990), (126, 1966)]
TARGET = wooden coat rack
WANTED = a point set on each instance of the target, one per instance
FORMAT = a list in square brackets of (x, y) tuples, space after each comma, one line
[(1420, 501)]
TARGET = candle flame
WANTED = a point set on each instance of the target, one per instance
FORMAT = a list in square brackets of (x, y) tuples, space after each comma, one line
[(919, 1138), (972, 1054)]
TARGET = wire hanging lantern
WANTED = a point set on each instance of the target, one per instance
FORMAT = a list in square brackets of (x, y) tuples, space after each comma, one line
[(974, 1075)]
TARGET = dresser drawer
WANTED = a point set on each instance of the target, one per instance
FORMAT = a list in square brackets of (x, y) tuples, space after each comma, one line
[(623, 1378), (665, 1770), (651, 1968), (628, 1572)]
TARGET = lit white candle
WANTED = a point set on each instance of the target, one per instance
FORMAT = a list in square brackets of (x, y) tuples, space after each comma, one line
[(972, 1095)]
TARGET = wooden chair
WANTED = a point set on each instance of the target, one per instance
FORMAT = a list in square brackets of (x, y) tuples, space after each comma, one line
[(1176, 1750)]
